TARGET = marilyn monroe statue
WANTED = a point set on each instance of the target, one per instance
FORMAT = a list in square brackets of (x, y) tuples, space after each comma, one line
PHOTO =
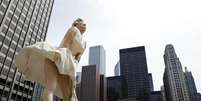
[(55, 67)]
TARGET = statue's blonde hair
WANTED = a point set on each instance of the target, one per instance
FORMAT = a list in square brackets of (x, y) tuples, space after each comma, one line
[(77, 21)]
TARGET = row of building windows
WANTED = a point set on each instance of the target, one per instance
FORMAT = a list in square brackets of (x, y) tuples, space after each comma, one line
[(23, 88), (5, 2), (3, 8), (18, 16), (18, 97), (7, 39), (5, 82), (32, 25), (8, 62), (36, 27), (1, 62), (180, 94), (20, 24), (12, 44), (38, 21)]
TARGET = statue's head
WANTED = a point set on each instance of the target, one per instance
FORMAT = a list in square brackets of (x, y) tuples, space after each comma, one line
[(79, 23)]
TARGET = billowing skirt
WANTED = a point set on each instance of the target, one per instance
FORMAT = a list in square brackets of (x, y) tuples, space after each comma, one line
[(31, 60)]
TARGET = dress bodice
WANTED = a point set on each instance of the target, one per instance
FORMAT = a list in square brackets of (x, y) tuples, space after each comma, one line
[(78, 44)]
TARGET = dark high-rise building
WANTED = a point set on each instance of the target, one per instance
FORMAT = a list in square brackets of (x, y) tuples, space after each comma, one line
[(156, 96), (133, 67), (174, 80), (116, 88), (163, 93), (103, 88), (90, 83), (198, 97), (192, 90), (22, 22), (151, 82)]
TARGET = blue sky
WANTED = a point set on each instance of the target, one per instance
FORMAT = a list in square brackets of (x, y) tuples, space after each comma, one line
[(118, 24)]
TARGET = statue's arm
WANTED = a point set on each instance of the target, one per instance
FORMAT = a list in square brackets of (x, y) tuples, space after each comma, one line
[(67, 40), (78, 55)]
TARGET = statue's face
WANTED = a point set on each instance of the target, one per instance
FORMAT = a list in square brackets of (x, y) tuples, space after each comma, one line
[(81, 27)]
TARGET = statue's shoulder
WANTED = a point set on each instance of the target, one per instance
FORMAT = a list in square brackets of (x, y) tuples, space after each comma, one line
[(73, 29)]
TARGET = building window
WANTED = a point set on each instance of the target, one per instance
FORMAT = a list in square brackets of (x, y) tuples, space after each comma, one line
[(7, 62), (20, 42), (7, 40), (20, 5), (3, 9), (4, 50), (7, 22), (22, 18), (6, 2), (5, 70), (12, 27), (9, 33), (13, 45), (20, 24), (15, 37)]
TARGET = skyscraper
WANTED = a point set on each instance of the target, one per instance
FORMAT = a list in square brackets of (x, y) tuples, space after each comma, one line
[(97, 57), (167, 89), (116, 88), (90, 83), (151, 82), (163, 93), (192, 90), (22, 22), (133, 67), (198, 98), (174, 80), (103, 88), (117, 69), (156, 96)]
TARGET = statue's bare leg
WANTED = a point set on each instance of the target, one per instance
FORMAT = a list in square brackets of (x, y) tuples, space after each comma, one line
[(66, 85), (50, 80)]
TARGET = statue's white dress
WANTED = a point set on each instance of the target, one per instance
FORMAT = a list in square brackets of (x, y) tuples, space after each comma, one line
[(30, 60)]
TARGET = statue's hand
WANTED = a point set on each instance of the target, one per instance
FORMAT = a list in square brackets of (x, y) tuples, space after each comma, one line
[(78, 56)]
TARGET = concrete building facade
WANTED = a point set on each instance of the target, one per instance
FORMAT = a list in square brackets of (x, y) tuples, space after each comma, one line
[(174, 80), (192, 90), (22, 23)]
